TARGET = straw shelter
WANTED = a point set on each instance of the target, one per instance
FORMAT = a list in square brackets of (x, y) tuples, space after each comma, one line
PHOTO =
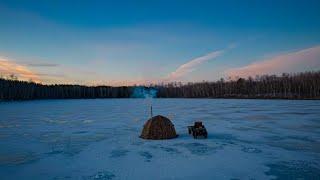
[(158, 127)]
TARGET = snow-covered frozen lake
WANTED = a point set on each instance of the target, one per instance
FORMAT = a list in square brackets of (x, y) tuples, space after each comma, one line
[(99, 139)]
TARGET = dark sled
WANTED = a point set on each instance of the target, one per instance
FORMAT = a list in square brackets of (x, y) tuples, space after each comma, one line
[(198, 130)]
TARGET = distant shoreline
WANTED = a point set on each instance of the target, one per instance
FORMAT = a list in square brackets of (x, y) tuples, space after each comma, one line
[(299, 86), (225, 98)]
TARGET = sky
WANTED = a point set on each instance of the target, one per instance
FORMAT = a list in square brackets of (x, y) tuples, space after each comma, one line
[(146, 41)]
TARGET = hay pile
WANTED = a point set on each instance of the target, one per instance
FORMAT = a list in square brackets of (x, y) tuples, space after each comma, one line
[(158, 127)]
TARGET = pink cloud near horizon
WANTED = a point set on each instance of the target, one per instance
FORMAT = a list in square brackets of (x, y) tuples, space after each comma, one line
[(298, 61), (22, 72), (190, 66)]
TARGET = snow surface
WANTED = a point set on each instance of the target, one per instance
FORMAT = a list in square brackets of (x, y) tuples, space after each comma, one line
[(99, 139)]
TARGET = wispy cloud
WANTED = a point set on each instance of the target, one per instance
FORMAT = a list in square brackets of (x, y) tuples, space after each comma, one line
[(42, 64), (22, 72), (303, 60), (190, 66)]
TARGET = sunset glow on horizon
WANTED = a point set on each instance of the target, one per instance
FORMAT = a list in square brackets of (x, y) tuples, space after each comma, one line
[(141, 42)]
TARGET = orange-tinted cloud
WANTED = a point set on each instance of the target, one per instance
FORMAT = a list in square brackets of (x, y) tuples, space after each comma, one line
[(22, 72), (303, 60)]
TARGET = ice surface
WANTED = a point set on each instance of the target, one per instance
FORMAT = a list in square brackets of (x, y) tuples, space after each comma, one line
[(99, 139)]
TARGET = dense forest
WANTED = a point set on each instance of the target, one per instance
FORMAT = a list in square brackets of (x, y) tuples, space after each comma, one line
[(287, 86)]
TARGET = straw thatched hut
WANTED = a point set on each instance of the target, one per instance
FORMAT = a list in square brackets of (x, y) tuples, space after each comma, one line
[(158, 127)]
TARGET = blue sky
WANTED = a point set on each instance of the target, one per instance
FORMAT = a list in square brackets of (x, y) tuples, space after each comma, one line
[(128, 42)]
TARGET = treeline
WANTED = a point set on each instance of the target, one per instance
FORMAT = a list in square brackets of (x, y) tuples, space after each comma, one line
[(287, 86), (22, 90)]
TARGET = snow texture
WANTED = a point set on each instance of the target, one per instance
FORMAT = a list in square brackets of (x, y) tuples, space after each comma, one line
[(99, 139)]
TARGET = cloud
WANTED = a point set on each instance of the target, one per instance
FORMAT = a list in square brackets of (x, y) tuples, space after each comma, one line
[(302, 60), (42, 64), (22, 72), (192, 65)]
